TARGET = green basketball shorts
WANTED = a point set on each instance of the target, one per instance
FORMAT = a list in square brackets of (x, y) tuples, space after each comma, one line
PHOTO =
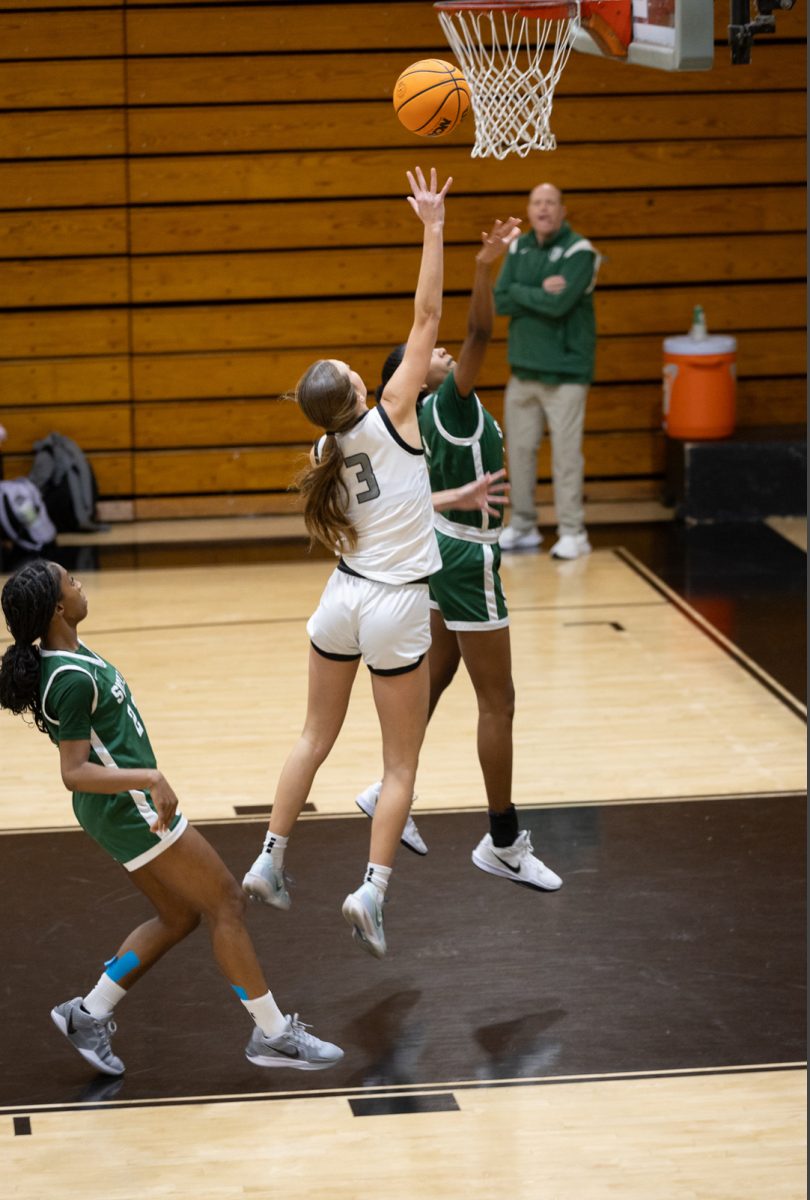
[(467, 590)]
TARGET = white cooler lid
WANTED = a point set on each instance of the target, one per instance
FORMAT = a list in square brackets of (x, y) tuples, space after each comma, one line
[(714, 344)]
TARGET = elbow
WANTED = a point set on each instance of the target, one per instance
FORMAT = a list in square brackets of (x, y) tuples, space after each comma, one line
[(428, 317), (479, 335), (69, 780)]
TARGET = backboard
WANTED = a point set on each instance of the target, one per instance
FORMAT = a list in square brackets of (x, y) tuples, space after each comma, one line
[(669, 35)]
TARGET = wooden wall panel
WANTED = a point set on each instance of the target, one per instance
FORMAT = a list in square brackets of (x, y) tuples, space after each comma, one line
[(62, 232), (63, 183), (63, 380), (55, 34), (248, 177), (765, 354), (62, 84), (305, 323), (279, 226), (326, 272), (93, 426), (196, 199), (249, 78), (348, 126), (87, 133)]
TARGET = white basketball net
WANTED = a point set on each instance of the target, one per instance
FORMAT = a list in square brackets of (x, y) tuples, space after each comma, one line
[(511, 88)]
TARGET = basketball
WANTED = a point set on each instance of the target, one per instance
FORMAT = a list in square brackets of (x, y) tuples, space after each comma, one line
[(431, 97)]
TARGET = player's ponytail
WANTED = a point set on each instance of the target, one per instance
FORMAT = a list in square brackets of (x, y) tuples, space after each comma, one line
[(327, 398), (29, 601)]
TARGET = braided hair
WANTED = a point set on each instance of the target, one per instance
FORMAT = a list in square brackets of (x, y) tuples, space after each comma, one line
[(29, 601), (327, 398)]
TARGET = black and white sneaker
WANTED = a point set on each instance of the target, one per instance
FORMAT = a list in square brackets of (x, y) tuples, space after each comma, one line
[(293, 1047), (515, 862)]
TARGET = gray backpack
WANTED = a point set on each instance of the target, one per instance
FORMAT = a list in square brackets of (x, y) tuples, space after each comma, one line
[(24, 518), (67, 483)]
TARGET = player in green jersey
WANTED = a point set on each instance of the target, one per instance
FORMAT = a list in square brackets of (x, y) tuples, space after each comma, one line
[(123, 801), (469, 618)]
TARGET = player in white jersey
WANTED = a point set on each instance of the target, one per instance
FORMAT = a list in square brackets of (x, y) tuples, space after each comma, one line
[(127, 805), (367, 497), (468, 617)]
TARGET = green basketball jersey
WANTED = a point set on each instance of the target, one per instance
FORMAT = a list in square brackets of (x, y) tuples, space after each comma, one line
[(462, 442), (84, 698)]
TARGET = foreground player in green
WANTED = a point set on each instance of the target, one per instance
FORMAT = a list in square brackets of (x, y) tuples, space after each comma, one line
[(124, 802)]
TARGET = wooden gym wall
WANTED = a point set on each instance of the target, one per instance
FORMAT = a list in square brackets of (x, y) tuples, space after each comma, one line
[(196, 200)]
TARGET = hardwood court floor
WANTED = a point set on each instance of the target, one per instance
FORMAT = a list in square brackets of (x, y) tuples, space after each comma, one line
[(638, 1033)]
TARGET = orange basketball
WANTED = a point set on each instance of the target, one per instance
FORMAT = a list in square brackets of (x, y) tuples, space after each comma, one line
[(431, 97)]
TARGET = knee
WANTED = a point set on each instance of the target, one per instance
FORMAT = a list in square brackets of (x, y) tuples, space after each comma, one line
[(233, 903), (317, 747), (500, 704), (181, 924)]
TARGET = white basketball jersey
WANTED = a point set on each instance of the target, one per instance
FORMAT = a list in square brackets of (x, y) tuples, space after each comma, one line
[(390, 502)]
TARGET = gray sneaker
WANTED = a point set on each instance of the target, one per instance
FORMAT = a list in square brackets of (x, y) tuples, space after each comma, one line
[(293, 1047), (265, 882), (411, 837), (363, 911), (90, 1035)]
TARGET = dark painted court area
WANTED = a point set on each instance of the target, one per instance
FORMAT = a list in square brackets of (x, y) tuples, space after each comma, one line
[(676, 943)]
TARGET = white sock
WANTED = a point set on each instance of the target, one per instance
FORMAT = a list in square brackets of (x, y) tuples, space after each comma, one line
[(103, 998), (267, 1014), (275, 844), (379, 876)]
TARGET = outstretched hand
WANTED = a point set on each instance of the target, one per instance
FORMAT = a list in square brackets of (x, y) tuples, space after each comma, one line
[(494, 243), (488, 494), (427, 202)]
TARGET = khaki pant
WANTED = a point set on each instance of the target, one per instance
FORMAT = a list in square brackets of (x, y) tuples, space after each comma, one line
[(528, 406)]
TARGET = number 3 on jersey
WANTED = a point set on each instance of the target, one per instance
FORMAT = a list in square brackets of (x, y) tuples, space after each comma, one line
[(364, 475)]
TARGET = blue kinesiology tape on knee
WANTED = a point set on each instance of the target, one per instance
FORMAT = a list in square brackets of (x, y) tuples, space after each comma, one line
[(117, 967), (240, 991)]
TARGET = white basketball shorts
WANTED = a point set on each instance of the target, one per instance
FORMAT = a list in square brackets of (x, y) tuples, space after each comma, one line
[(388, 625)]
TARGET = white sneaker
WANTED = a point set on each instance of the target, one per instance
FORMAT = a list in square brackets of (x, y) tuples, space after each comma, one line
[(515, 862), (265, 882), (510, 539), (411, 837), (571, 545), (363, 911)]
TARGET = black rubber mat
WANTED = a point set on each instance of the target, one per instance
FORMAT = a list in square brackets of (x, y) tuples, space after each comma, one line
[(677, 942)]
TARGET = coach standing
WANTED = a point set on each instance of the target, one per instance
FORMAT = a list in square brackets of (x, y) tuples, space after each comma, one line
[(546, 288)]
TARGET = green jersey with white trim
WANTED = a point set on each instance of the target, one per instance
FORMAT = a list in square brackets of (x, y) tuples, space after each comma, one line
[(85, 698), (462, 442)]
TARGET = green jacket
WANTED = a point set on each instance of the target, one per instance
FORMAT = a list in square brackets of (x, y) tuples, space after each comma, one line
[(551, 338)]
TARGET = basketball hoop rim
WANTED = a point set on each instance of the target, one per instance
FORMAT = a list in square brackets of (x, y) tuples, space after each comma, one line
[(527, 7), (510, 6)]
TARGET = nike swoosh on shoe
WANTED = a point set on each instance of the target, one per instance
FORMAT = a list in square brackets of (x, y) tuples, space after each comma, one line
[(509, 867), (287, 1053)]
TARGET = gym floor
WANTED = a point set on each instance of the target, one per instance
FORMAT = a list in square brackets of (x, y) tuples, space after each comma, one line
[(641, 1031)]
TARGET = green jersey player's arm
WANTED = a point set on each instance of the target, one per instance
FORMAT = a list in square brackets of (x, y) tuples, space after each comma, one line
[(72, 703), (484, 493), (482, 310)]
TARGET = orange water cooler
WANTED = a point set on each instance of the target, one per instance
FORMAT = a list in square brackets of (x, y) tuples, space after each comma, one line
[(700, 387)]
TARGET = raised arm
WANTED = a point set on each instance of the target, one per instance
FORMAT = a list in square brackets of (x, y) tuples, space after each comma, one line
[(481, 311), (403, 388)]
